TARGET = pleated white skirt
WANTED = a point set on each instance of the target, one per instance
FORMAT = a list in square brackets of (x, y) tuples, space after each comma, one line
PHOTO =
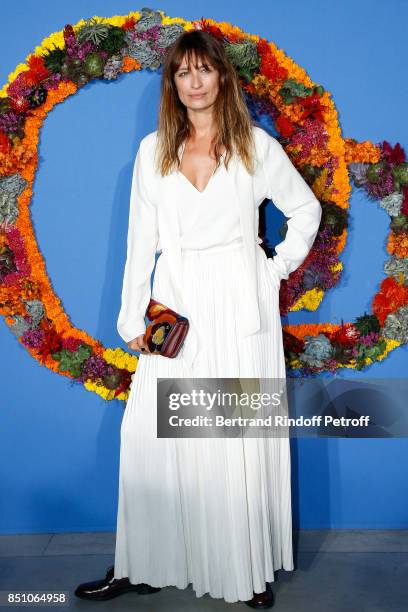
[(211, 512)]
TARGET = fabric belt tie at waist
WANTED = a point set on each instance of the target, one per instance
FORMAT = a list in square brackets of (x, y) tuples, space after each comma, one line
[(234, 244), (229, 245), (192, 346)]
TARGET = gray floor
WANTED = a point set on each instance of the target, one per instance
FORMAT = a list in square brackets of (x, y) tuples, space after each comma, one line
[(344, 570)]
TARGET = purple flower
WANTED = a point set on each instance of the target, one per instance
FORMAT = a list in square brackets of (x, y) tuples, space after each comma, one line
[(371, 338), (10, 121), (33, 338), (52, 81), (94, 367), (84, 48), (383, 187), (19, 88)]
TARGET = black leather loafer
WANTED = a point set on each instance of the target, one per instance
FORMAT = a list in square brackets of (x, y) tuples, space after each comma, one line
[(261, 601), (110, 587)]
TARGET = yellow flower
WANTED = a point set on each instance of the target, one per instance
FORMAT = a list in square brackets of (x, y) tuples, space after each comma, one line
[(169, 20), (57, 39), (121, 359), (310, 300), (106, 394), (99, 389), (390, 345)]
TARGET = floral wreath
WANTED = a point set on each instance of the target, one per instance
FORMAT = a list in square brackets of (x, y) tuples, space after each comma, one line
[(307, 125)]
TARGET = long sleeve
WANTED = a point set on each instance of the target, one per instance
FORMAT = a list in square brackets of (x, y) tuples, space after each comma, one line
[(142, 240), (292, 195)]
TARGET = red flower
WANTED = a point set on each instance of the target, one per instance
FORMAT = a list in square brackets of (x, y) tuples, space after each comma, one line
[(284, 126), (38, 70), (25, 82), (346, 335), (124, 383), (212, 29), (19, 104), (71, 344), (391, 296), (4, 143), (269, 66), (404, 205), (312, 106), (292, 343), (129, 24), (51, 344), (69, 34), (394, 155)]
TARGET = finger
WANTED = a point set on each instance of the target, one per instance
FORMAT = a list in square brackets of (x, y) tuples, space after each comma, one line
[(143, 348)]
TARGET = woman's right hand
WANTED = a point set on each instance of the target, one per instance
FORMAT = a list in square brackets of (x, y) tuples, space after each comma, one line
[(138, 344)]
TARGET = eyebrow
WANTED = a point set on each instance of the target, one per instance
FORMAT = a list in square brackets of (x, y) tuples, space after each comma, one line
[(199, 66)]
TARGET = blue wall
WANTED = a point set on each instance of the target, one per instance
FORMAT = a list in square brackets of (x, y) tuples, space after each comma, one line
[(59, 444)]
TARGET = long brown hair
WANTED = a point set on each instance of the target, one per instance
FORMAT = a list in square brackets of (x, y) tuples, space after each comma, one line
[(231, 115)]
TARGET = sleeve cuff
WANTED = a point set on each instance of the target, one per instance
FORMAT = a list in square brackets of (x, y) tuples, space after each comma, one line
[(131, 329)]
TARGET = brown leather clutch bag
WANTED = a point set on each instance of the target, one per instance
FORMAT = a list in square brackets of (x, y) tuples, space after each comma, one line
[(166, 331)]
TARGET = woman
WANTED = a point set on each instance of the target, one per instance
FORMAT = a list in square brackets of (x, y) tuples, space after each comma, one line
[(215, 513)]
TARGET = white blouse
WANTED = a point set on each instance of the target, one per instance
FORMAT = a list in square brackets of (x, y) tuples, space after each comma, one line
[(210, 217), (154, 226)]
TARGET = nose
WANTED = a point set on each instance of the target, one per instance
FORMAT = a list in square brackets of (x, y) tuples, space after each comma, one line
[(196, 80)]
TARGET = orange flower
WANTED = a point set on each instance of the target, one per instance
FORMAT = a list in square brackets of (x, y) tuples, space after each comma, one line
[(361, 152), (310, 329), (392, 295), (398, 244), (130, 64)]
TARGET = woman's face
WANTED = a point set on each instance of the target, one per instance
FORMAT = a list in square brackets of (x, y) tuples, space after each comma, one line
[(197, 87)]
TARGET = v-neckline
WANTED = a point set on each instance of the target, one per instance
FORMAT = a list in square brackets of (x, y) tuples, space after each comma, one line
[(183, 146)]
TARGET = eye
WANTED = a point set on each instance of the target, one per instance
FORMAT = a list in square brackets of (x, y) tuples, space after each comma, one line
[(181, 74)]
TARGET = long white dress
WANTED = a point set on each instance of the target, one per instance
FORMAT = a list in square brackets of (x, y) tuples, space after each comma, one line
[(211, 512)]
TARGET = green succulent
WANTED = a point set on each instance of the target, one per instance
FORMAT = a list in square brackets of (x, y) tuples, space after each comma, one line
[(400, 175), (94, 31), (399, 223), (334, 217), (366, 324), (114, 42), (244, 56), (72, 361), (369, 352), (113, 379), (310, 172), (54, 58), (94, 64), (292, 89), (374, 171)]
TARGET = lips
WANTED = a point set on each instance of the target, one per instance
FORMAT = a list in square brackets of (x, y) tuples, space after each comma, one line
[(197, 96)]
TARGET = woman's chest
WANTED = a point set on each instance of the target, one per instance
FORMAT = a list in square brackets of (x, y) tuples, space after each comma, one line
[(232, 185), (209, 210)]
